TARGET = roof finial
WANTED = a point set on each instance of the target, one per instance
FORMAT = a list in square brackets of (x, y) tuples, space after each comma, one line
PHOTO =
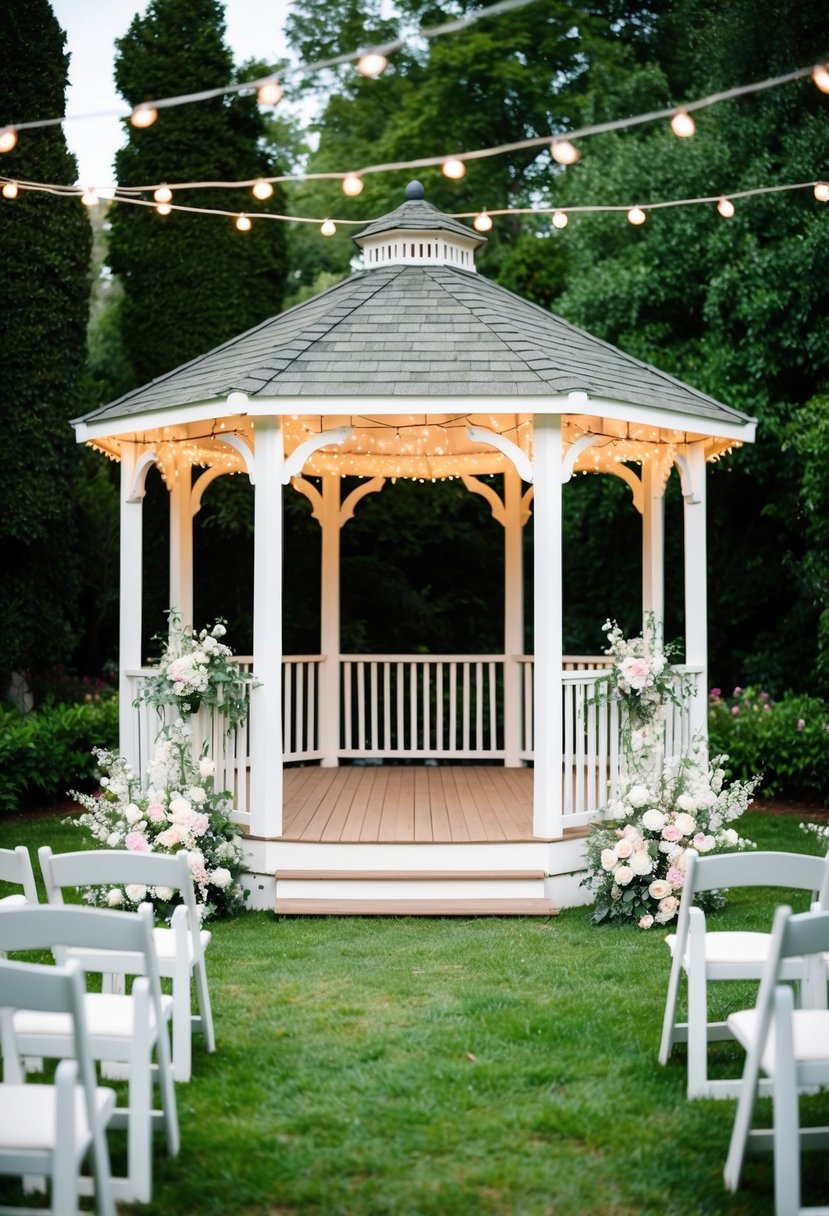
[(414, 191)]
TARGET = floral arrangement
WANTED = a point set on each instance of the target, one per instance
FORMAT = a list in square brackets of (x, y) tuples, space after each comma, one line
[(179, 810), (196, 670), (640, 678), (636, 855)]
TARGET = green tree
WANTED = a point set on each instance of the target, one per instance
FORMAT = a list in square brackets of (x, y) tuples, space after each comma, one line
[(190, 281), (44, 296)]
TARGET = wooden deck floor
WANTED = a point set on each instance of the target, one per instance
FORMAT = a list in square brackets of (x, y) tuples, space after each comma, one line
[(408, 804)]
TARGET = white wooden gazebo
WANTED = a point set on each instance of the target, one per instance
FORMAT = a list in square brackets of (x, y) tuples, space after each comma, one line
[(416, 367)]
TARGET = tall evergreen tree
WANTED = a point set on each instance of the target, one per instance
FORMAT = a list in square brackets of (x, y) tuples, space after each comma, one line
[(190, 281), (44, 298)]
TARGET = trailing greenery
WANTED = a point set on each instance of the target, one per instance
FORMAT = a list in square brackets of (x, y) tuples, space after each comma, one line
[(44, 293), (786, 740), (43, 752), (485, 1067)]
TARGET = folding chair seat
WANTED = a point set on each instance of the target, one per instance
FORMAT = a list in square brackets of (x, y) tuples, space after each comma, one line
[(50, 1130), (180, 948), (16, 867), (132, 1030), (791, 1046), (702, 955)]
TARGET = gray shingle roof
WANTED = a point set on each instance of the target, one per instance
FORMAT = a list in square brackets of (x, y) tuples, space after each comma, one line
[(416, 215), (416, 331)]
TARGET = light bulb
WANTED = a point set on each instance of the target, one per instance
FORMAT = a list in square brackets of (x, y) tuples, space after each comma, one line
[(164, 208), (243, 223), (328, 228), (270, 93), (8, 139), (560, 219), (821, 192), (453, 168), (89, 197), (163, 193), (10, 190), (682, 124), (371, 64), (482, 222), (352, 185), (143, 116), (564, 152), (820, 76), (725, 208), (636, 216), (262, 189)]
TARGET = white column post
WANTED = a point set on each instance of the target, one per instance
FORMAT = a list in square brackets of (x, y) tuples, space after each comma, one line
[(181, 543), (513, 617), (547, 792), (130, 590), (696, 590), (653, 543), (266, 700), (329, 684)]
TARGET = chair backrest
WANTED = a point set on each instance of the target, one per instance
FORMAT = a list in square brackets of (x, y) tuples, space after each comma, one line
[(792, 936), (16, 867), (112, 867), (798, 871)]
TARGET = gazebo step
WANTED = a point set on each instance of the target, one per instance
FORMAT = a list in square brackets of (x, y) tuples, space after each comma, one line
[(415, 907), (406, 875)]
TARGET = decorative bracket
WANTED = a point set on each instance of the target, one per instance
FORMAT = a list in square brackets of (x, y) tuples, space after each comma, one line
[(200, 485), (139, 475), (350, 504), (312, 494), (635, 483), (295, 462), (474, 486), (575, 450), (691, 490), (526, 499), (245, 451), (479, 434)]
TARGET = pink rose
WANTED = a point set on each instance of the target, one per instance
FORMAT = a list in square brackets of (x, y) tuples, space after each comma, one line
[(735, 709), (155, 812), (645, 921), (671, 832), (801, 724), (675, 877), (137, 842)]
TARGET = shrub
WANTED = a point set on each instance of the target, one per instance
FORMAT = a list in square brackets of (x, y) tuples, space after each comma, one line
[(786, 740), (44, 752)]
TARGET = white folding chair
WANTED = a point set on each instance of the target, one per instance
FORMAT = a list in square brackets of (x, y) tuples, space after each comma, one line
[(729, 955), (791, 1046), (16, 867), (50, 1130), (129, 1029), (180, 948)]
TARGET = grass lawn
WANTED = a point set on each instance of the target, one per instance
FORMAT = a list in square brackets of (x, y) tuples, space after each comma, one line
[(421, 1067)]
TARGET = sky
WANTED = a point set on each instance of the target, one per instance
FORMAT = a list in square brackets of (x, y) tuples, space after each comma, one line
[(254, 28)]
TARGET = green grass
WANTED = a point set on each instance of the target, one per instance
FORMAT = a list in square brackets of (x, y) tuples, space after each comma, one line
[(405, 1067)]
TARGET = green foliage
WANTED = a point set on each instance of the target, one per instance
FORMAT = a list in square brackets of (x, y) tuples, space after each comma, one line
[(44, 290), (43, 752), (190, 282), (787, 740), (807, 440)]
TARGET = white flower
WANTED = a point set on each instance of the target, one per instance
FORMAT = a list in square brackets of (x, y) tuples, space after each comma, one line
[(196, 794), (179, 807), (669, 904), (623, 848), (654, 820), (623, 875), (638, 796), (608, 858), (686, 823), (114, 839), (164, 893), (645, 921), (136, 893), (221, 878), (686, 803), (218, 630), (115, 898), (132, 813), (641, 863), (207, 768), (729, 836), (659, 889)]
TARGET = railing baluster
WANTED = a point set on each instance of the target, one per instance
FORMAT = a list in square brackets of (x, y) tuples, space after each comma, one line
[(287, 686), (453, 706), (400, 739), (466, 708), (361, 705), (348, 729), (493, 707), (375, 742), (387, 743), (439, 745), (427, 717), (412, 706)]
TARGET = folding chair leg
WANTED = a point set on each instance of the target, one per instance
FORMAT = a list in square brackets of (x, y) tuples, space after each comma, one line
[(786, 1111), (697, 1035), (203, 994), (140, 1113), (182, 1032), (669, 1018)]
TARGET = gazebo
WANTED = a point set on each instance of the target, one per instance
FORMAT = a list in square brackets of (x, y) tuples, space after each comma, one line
[(366, 783)]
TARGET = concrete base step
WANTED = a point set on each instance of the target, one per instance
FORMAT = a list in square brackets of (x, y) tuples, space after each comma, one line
[(414, 907)]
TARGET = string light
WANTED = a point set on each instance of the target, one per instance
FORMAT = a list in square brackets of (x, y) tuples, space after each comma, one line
[(725, 208), (143, 116), (270, 92), (164, 208), (8, 139), (820, 75), (682, 124), (328, 228), (10, 190), (89, 197), (822, 192), (371, 64), (163, 194), (482, 222), (352, 185), (560, 219), (564, 152), (453, 168), (243, 223), (262, 189), (636, 216)]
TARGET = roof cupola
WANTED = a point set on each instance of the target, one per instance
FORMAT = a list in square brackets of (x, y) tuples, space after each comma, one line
[(417, 234)]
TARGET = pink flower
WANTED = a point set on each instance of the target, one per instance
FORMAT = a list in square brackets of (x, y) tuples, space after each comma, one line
[(801, 724), (738, 691), (675, 877), (671, 832), (155, 812), (764, 696), (735, 709), (137, 842), (645, 921), (715, 692)]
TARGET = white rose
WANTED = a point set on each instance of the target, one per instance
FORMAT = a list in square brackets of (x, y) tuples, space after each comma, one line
[(623, 875), (641, 863), (196, 794), (685, 802), (669, 904), (114, 839), (218, 630), (730, 836), (623, 848), (131, 813), (221, 878), (659, 889), (164, 893), (179, 807), (686, 824), (136, 893), (654, 820), (706, 844), (115, 898), (645, 921), (608, 859), (638, 796), (207, 767)]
